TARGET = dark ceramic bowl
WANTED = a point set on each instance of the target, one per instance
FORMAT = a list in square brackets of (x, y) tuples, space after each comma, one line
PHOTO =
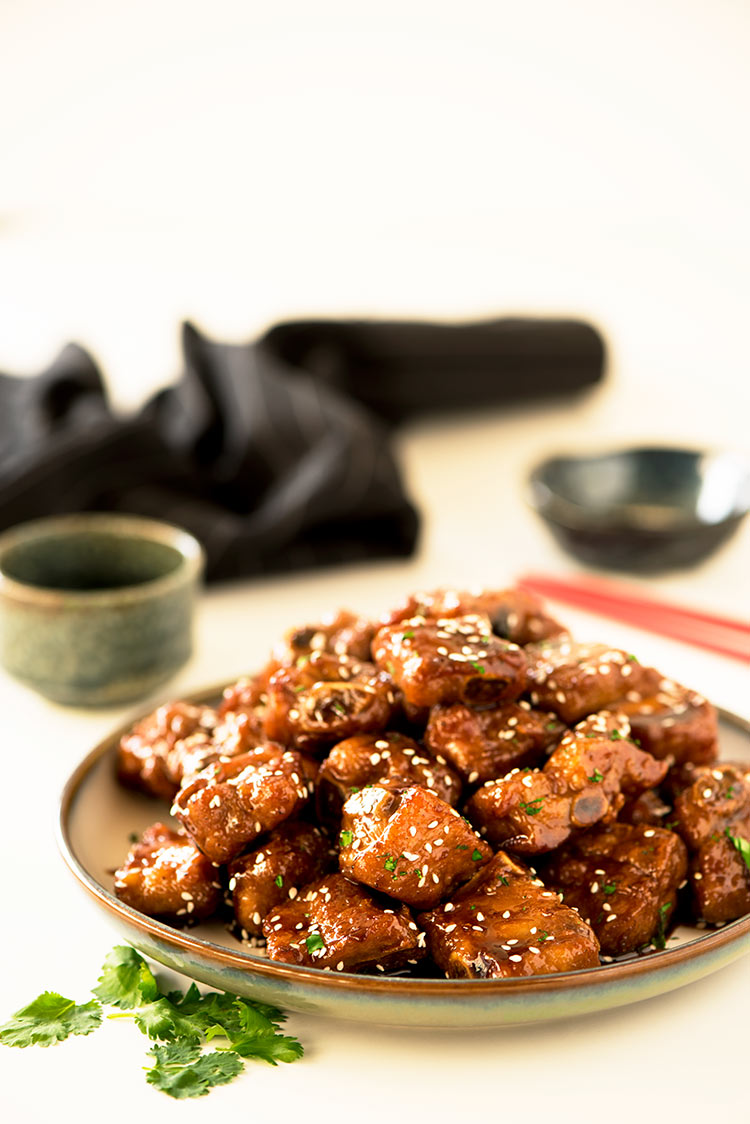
[(96, 609), (642, 509)]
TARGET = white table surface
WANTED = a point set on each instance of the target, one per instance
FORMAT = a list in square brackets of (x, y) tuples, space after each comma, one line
[(238, 167)]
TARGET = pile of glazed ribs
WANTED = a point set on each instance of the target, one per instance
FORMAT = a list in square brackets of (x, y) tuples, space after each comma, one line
[(458, 788)]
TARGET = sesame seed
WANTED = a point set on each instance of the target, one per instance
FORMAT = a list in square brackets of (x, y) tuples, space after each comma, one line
[(707, 794), (648, 834), (516, 958), (612, 917), (412, 830), (340, 966), (533, 949), (594, 887), (450, 928), (697, 876), (506, 914), (448, 907)]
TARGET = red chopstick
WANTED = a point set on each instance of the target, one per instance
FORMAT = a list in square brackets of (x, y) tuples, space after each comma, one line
[(704, 630)]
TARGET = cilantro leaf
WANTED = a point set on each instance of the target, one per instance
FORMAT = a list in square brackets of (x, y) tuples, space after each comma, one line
[(346, 838), (48, 1019), (269, 1048), (182, 1071), (126, 980), (163, 1020)]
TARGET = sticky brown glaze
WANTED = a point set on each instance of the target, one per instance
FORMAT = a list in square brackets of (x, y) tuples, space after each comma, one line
[(325, 698), (292, 855), (579, 679), (388, 758), (236, 732), (623, 880), (506, 923), (485, 744), (247, 694), (648, 809), (713, 817), (584, 782), (456, 659), (339, 925), (669, 720), (341, 634), (143, 753), (166, 876), (514, 614), (408, 843), (229, 804)]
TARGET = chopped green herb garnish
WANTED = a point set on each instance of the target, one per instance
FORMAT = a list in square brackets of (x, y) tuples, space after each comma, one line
[(338, 708), (596, 777), (408, 635), (503, 880), (346, 838), (390, 863), (552, 726), (730, 791), (476, 855), (610, 888), (532, 807), (314, 942), (616, 736), (740, 844), (462, 847), (632, 658), (279, 880), (477, 666), (659, 938)]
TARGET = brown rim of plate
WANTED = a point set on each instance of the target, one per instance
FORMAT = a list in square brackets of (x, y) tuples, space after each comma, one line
[(347, 981)]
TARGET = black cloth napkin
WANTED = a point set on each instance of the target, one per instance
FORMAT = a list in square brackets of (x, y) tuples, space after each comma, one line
[(276, 454)]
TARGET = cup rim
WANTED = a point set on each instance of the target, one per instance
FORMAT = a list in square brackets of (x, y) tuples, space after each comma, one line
[(189, 567)]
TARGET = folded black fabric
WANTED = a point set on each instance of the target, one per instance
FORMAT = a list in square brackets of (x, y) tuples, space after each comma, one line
[(276, 454)]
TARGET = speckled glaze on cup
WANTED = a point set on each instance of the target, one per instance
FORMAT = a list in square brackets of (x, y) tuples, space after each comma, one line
[(96, 609)]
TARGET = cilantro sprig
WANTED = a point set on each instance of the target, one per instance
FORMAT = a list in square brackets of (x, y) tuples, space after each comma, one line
[(181, 1025), (48, 1019)]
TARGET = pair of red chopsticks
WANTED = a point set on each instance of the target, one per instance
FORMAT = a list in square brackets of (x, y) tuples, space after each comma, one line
[(704, 630)]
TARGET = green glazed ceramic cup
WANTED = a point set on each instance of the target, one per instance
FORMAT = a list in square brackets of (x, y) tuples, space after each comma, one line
[(96, 609)]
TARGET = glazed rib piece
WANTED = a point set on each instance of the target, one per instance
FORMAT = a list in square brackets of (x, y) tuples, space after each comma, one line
[(386, 759), (166, 876), (623, 880), (669, 720), (408, 843), (506, 923), (514, 614), (292, 855), (231, 803), (143, 757), (713, 817), (584, 782), (324, 698), (457, 659), (579, 679), (485, 744), (338, 925)]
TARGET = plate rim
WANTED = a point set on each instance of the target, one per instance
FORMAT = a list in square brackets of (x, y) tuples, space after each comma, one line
[(396, 987)]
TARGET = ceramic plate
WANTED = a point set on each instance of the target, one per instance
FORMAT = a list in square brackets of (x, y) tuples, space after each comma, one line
[(97, 817)]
